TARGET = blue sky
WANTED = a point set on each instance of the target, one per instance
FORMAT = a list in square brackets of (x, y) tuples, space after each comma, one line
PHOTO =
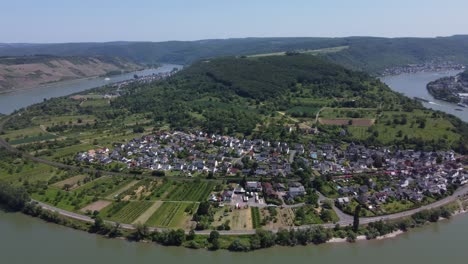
[(155, 20)]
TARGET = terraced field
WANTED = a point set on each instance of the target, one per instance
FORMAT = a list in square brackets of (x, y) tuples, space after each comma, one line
[(125, 212), (171, 214), (191, 191)]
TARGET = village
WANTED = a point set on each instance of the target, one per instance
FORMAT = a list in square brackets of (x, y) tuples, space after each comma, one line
[(354, 173)]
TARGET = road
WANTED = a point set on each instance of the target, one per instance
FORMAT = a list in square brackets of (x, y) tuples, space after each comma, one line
[(345, 219)]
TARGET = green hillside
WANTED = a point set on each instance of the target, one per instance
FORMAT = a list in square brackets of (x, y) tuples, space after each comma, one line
[(277, 98)]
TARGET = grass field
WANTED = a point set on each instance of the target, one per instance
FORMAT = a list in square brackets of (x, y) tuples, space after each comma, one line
[(190, 191), (171, 214), (396, 125), (72, 181), (95, 103), (329, 113), (103, 186), (17, 171), (69, 201), (49, 121), (125, 212)]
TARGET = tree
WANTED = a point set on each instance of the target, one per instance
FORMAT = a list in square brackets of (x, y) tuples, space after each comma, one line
[(141, 232), (357, 211), (115, 231), (214, 240), (191, 234)]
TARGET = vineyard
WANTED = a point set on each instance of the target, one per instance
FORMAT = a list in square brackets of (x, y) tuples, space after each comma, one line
[(191, 191), (171, 214), (256, 219), (125, 212)]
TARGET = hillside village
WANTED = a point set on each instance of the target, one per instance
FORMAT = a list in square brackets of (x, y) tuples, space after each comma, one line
[(370, 176)]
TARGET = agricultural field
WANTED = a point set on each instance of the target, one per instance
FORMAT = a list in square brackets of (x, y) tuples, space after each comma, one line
[(358, 122), (27, 135), (103, 186), (15, 170), (96, 206), (239, 219), (303, 111), (49, 121), (138, 190), (277, 217), (256, 218), (333, 113), (172, 214), (70, 201), (95, 103), (190, 191), (125, 212)]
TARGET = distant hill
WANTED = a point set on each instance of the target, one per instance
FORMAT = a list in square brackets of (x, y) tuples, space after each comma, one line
[(369, 54), (31, 71)]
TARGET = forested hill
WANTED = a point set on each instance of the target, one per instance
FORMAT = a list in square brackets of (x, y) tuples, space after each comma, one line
[(277, 98), (369, 54), (261, 96)]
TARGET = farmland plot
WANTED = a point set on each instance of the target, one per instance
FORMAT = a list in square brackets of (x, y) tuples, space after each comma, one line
[(191, 191), (171, 214), (126, 212)]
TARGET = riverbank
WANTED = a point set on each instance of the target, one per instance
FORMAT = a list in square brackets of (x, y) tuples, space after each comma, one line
[(260, 238)]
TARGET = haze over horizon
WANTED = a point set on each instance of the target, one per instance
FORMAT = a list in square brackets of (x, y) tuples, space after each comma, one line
[(54, 21)]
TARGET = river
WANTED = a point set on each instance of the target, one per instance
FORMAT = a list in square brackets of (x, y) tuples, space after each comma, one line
[(29, 240), (414, 85), (21, 98)]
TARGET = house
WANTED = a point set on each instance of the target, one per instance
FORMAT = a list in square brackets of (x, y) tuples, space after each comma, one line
[(253, 186), (294, 192), (343, 200)]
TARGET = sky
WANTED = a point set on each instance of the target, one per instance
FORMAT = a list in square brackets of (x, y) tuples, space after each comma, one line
[(52, 21)]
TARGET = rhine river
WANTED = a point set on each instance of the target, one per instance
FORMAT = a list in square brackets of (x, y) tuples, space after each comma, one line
[(21, 98), (29, 240)]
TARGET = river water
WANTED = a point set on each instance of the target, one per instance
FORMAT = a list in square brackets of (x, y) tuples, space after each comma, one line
[(21, 98), (28, 240), (414, 85)]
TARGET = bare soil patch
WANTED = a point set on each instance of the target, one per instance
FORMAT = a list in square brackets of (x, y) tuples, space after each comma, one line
[(96, 206)]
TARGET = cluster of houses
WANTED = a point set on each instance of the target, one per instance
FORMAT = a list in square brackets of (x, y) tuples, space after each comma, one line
[(197, 152), (413, 173)]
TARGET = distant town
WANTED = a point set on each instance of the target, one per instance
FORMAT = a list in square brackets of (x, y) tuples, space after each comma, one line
[(432, 66)]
